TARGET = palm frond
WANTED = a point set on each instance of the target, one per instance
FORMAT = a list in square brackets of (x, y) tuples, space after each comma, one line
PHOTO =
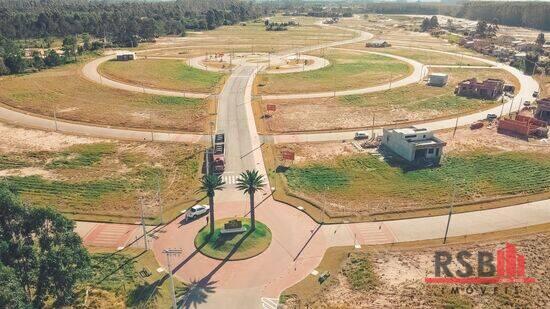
[(211, 183), (250, 181)]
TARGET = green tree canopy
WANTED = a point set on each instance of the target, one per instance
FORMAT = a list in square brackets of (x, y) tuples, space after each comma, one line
[(40, 246)]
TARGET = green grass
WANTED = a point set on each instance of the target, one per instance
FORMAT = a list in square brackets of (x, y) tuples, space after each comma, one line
[(240, 246), (449, 102), (178, 101), (166, 74), (105, 178), (132, 278), (82, 155), (373, 182), (347, 70), (359, 272), (47, 192)]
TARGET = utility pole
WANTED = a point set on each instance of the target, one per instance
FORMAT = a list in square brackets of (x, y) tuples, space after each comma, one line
[(159, 199), (456, 126), (143, 224), (55, 117), (169, 253), (450, 214)]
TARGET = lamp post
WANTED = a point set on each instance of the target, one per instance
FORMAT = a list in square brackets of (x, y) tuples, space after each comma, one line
[(169, 253)]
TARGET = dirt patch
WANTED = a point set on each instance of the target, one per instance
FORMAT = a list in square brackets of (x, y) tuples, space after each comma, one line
[(416, 102), (13, 139), (401, 273), (465, 140)]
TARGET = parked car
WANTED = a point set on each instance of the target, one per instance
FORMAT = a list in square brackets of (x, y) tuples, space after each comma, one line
[(361, 135), (535, 94), (491, 117), (196, 211)]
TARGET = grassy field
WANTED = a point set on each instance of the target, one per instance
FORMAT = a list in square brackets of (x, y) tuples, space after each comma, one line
[(251, 37), (364, 183), (128, 279), (404, 104), (77, 99), (233, 246), (433, 58), (163, 74), (393, 276), (106, 178), (348, 70)]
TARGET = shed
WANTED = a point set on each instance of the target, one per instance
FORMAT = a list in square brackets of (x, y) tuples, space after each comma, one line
[(377, 44), (438, 79), (125, 56)]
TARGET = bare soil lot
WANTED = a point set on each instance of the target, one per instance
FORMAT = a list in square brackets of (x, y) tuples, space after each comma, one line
[(75, 98), (404, 104), (250, 38), (386, 278)]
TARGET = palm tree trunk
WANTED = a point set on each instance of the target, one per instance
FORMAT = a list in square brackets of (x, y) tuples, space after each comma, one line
[(252, 213), (211, 203)]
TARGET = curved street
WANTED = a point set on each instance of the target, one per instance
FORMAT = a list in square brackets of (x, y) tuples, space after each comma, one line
[(298, 243)]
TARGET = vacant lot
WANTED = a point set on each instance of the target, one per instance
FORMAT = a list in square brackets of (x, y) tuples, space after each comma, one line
[(381, 277), (128, 279), (77, 99), (404, 104), (164, 74), (90, 177), (250, 38), (348, 70), (433, 58), (348, 182)]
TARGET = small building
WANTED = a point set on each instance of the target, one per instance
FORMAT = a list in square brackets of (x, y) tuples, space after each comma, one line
[(438, 79), (488, 89), (543, 109), (415, 145), (378, 44), (125, 56)]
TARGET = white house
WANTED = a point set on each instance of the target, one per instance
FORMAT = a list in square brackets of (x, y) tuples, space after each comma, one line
[(413, 144)]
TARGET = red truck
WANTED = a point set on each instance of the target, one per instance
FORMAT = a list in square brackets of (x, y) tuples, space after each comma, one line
[(218, 156)]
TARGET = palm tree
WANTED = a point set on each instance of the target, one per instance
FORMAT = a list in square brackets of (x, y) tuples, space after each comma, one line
[(210, 184), (250, 182)]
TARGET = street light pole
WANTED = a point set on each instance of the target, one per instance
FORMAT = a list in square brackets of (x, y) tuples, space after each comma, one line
[(143, 224), (168, 253)]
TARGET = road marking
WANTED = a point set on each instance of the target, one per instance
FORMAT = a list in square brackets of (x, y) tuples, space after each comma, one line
[(270, 303), (230, 179)]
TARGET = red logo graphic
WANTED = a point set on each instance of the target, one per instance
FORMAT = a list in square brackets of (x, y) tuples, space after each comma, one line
[(510, 268)]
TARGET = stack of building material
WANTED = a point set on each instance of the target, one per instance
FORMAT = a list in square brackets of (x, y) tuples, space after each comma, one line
[(523, 126)]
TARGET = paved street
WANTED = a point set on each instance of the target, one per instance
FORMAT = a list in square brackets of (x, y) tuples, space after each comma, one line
[(298, 243)]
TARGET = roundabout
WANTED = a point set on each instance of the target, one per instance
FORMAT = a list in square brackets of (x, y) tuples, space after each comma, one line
[(233, 246), (237, 271)]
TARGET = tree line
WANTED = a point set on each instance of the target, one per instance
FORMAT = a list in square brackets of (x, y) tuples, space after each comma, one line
[(122, 23), (520, 14)]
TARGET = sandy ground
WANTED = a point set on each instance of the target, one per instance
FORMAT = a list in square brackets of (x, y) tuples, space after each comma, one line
[(467, 140), (14, 139), (401, 274)]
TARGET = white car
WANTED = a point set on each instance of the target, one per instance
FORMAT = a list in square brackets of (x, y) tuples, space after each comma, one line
[(196, 211)]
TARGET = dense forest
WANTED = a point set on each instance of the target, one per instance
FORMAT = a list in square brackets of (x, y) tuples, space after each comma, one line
[(123, 23), (521, 14)]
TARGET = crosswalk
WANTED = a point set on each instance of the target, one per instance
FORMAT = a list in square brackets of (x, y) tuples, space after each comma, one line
[(270, 303), (230, 179)]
